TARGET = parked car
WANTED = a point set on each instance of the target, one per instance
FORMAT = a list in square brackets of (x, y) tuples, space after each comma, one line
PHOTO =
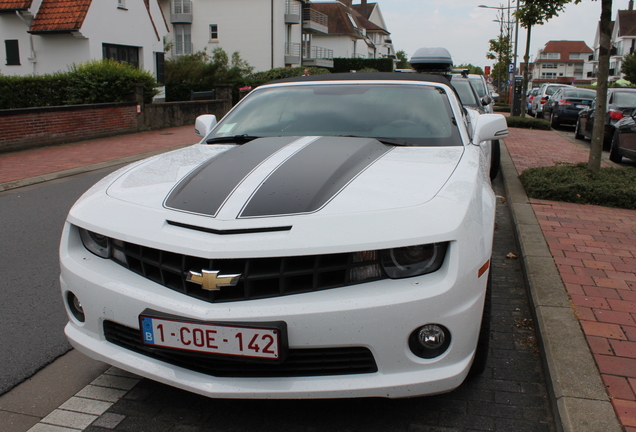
[(529, 98), (564, 105), (484, 93), (330, 237), (469, 97), (620, 102), (545, 91), (624, 139)]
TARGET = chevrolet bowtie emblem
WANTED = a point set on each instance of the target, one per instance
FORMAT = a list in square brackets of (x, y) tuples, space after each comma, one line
[(211, 280)]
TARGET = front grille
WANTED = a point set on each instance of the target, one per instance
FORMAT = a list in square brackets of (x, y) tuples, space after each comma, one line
[(260, 277), (299, 362)]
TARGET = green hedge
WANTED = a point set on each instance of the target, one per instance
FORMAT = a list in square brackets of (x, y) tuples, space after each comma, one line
[(98, 81), (260, 78), (358, 64), (528, 123), (574, 183)]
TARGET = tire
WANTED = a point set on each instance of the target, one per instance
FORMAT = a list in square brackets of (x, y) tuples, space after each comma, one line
[(495, 159), (553, 122), (615, 152), (539, 114), (577, 131), (483, 343)]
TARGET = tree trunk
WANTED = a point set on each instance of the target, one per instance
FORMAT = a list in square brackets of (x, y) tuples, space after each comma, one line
[(596, 147), (526, 61)]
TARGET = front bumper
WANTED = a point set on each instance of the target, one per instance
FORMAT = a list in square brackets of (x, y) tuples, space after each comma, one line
[(378, 316)]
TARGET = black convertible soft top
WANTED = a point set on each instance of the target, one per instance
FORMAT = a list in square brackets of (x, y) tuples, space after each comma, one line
[(369, 76)]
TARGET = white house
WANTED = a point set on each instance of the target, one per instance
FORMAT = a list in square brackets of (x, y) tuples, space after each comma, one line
[(45, 36), (278, 33), (565, 62), (266, 34)]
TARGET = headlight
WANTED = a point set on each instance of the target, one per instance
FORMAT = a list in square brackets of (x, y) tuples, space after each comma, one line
[(413, 260), (95, 243)]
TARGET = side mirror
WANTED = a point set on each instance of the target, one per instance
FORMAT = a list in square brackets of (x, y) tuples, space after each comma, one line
[(486, 100), (204, 124), (495, 95), (490, 127)]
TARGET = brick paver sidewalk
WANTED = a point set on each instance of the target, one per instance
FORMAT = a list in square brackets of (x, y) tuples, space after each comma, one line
[(595, 251), (46, 160)]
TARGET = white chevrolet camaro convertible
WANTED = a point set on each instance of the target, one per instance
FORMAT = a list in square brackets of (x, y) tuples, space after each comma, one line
[(329, 237)]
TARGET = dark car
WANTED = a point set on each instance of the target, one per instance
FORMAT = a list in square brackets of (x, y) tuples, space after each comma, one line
[(620, 103), (624, 139), (564, 105)]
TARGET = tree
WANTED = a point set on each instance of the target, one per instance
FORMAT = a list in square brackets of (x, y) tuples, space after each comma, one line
[(530, 14), (403, 62), (596, 147), (500, 50), (472, 69), (628, 67)]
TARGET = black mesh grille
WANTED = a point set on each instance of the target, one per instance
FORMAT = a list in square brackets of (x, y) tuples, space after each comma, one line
[(260, 277), (299, 362)]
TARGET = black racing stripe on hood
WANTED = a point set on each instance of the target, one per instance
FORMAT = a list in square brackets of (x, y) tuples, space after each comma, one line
[(313, 176), (205, 189)]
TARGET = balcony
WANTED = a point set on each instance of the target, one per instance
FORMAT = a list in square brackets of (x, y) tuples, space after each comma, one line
[(292, 12), (292, 53), (181, 12), (317, 56), (315, 22)]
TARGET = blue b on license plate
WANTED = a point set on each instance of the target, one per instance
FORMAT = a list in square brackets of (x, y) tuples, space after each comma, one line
[(214, 338)]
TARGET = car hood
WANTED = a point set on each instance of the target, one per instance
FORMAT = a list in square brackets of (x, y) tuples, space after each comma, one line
[(286, 176)]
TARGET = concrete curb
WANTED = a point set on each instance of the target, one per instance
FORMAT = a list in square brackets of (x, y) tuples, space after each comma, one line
[(82, 169), (579, 399)]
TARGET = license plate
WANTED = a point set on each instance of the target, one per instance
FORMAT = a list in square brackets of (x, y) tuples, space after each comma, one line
[(581, 106), (267, 341)]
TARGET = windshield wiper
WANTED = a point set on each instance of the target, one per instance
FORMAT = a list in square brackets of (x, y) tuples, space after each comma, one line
[(390, 141), (236, 139)]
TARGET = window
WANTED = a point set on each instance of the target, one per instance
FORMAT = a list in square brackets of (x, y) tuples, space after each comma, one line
[(13, 52), (214, 32), (182, 39), (122, 53), (551, 55), (549, 66), (548, 75)]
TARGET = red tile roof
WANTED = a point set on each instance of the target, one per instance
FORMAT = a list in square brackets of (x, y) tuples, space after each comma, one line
[(12, 4), (60, 15), (565, 48)]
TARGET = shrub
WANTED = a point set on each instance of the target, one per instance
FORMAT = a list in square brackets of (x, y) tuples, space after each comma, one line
[(528, 123), (201, 72), (574, 183), (357, 64), (260, 78), (106, 80)]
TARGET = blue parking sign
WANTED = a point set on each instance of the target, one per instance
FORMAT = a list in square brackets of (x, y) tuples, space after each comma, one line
[(511, 68)]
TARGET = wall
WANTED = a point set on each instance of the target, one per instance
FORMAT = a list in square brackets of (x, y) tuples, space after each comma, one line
[(37, 127)]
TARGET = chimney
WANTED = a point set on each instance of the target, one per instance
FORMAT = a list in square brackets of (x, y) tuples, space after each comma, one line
[(346, 2), (631, 5), (364, 8)]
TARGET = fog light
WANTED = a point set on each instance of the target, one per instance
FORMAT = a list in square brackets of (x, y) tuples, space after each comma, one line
[(431, 336), (75, 307), (429, 341)]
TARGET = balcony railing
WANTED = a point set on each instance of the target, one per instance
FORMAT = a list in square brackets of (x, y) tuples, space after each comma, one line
[(292, 7), (181, 48), (314, 52), (292, 49), (315, 21)]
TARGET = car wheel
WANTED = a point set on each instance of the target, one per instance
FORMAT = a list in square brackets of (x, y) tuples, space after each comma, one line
[(553, 122), (577, 131), (539, 115), (615, 153), (483, 343), (495, 159)]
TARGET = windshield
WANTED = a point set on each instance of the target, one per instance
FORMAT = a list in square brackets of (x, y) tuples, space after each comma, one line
[(624, 98), (479, 86), (465, 92), (418, 115)]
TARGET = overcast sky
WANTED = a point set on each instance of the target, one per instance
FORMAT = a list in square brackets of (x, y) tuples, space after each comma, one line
[(465, 29)]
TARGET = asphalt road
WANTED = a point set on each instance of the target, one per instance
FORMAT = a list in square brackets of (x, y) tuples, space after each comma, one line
[(32, 316)]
